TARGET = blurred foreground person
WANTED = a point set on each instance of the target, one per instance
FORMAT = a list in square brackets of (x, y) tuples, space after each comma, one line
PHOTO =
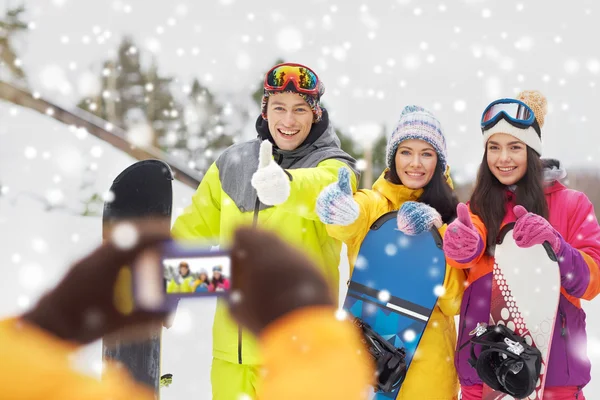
[(308, 352)]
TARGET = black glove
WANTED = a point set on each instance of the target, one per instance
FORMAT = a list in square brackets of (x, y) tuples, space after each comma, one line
[(271, 279), (90, 301)]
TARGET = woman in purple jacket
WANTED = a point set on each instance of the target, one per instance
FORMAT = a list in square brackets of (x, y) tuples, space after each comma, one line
[(515, 185)]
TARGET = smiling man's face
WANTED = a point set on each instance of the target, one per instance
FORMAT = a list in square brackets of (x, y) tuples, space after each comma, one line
[(290, 119)]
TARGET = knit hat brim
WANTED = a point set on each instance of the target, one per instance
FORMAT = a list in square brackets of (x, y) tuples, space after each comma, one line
[(528, 136)]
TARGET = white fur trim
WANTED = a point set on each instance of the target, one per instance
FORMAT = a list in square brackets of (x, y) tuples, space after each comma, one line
[(554, 174), (528, 136)]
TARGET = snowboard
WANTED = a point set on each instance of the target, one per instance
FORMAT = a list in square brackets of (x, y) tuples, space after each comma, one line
[(525, 296), (141, 190), (391, 294)]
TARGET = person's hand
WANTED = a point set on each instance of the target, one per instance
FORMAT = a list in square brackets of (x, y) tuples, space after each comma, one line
[(271, 279), (95, 296), (415, 218), (335, 204), (271, 182), (461, 240), (531, 229)]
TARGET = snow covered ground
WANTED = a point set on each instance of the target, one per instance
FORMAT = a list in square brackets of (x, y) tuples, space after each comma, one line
[(45, 162)]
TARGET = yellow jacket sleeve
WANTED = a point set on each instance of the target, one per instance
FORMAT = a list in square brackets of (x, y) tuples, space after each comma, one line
[(35, 365), (172, 286), (307, 183), (201, 219), (309, 354), (454, 287)]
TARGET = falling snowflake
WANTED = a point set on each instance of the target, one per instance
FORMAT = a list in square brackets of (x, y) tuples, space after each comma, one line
[(411, 62), (439, 290), (243, 61), (31, 276), (403, 242), (384, 296), (571, 66), (55, 197), (525, 43), (391, 249), (30, 152), (460, 105), (341, 314), (289, 39), (140, 135), (23, 302), (361, 164), (593, 66), (409, 335), (125, 235), (361, 262)]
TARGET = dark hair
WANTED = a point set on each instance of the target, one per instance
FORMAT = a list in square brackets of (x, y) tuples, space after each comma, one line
[(216, 281), (489, 195), (437, 193), (205, 280)]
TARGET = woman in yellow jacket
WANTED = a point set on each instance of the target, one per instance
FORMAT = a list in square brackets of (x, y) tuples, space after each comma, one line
[(417, 183)]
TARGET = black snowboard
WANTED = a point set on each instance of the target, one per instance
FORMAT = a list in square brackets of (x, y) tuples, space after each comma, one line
[(141, 190)]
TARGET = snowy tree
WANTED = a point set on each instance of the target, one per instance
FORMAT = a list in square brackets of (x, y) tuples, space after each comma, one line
[(132, 97), (11, 26)]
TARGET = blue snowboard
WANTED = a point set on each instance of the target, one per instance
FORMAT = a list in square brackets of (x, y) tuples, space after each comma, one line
[(393, 288)]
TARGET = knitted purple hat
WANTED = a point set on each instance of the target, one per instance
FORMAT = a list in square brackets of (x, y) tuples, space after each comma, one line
[(418, 123)]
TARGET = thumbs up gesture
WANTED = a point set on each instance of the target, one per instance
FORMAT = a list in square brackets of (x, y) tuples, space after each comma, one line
[(271, 182), (335, 205), (462, 242), (531, 229)]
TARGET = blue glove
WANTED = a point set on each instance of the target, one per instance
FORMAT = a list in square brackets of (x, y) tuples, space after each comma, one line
[(415, 218), (335, 205)]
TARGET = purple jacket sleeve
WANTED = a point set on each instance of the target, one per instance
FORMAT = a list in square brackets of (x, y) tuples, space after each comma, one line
[(579, 253)]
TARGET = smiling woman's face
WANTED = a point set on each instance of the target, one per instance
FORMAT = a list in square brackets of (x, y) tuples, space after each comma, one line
[(506, 158), (415, 163)]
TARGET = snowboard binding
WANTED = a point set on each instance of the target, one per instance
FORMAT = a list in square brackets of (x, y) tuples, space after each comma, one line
[(390, 361), (506, 362)]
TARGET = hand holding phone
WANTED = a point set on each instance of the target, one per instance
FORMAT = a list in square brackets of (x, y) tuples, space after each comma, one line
[(180, 269)]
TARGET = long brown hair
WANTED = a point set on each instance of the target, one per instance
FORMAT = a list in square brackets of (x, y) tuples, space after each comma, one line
[(437, 193), (489, 196)]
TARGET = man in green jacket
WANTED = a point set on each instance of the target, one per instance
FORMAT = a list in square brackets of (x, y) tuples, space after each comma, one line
[(272, 181)]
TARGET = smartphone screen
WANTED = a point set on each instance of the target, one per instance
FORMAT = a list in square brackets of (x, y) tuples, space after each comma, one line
[(179, 270)]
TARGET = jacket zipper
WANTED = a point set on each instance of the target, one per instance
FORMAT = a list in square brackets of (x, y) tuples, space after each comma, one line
[(564, 333), (254, 224), (462, 330)]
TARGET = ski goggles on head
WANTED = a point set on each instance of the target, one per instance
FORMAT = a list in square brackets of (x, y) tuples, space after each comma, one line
[(304, 79), (514, 111)]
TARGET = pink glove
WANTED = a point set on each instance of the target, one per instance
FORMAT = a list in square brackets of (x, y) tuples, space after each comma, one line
[(462, 242), (531, 229)]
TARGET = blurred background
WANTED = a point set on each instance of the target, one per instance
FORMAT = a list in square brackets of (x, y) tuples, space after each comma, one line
[(87, 87)]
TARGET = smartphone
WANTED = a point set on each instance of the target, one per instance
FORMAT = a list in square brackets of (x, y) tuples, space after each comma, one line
[(180, 270)]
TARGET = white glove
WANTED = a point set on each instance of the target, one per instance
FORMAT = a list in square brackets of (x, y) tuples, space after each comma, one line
[(271, 182)]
